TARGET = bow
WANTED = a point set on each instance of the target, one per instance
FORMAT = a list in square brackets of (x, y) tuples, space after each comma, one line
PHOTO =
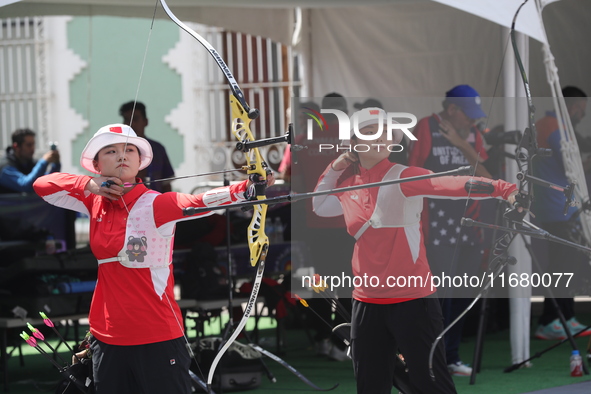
[(258, 241)]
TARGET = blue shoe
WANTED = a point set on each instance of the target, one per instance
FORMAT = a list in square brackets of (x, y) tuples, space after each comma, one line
[(552, 331), (574, 326)]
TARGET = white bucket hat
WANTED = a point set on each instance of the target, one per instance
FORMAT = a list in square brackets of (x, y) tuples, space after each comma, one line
[(370, 116), (115, 134)]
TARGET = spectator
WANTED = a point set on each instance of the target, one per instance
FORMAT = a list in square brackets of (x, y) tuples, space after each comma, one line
[(444, 142), (18, 169)]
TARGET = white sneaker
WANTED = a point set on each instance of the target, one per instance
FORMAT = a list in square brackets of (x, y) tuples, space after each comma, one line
[(459, 369), (338, 354), (322, 347)]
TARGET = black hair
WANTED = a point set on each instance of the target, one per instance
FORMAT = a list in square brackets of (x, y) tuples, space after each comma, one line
[(572, 91), (139, 107), (18, 136), (334, 100), (572, 94)]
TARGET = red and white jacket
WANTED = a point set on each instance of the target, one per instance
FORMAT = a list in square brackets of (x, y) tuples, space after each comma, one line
[(131, 306), (391, 248)]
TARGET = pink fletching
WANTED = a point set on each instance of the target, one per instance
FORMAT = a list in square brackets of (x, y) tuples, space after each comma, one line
[(37, 334), (48, 322), (31, 341)]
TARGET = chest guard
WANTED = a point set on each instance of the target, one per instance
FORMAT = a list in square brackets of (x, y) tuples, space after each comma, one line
[(393, 208), (143, 247)]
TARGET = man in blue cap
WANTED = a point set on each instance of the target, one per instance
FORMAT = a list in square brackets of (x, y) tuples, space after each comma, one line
[(446, 141)]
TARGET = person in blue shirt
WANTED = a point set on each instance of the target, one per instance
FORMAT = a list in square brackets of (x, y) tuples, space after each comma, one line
[(548, 206), (18, 169)]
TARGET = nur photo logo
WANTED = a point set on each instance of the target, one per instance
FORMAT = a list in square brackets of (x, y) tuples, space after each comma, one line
[(394, 124)]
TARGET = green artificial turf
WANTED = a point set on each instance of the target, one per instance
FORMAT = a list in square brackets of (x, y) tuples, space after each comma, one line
[(551, 370)]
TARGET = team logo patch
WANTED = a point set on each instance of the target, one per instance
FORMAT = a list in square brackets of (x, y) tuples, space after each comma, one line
[(172, 361)]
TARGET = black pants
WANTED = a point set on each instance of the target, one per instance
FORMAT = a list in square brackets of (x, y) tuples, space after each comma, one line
[(379, 331), (156, 368)]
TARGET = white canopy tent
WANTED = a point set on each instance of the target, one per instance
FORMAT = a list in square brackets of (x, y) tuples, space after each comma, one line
[(251, 17)]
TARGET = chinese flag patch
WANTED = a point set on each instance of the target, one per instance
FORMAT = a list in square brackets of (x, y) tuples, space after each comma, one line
[(118, 130)]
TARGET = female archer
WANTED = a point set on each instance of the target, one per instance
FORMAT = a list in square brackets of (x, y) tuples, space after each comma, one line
[(138, 343), (398, 311)]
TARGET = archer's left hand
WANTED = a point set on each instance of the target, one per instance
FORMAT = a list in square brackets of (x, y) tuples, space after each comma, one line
[(256, 186), (512, 200), (255, 179)]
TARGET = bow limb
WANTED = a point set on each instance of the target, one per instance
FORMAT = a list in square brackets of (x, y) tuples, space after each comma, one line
[(528, 146), (258, 242), (236, 91)]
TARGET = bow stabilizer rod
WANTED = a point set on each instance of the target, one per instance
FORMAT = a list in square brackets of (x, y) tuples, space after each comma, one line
[(466, 170)]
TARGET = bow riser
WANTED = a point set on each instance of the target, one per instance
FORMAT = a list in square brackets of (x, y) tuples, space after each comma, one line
[(258, 242)]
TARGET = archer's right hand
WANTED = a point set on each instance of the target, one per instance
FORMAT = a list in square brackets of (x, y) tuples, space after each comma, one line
[(344, 161), (106, 186)]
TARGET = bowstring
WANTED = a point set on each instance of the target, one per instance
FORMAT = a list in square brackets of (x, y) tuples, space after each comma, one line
[(187, 344), (137, 91)]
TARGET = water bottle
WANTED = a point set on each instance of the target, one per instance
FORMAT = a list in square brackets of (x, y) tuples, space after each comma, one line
[(576, 364), (50, 245)]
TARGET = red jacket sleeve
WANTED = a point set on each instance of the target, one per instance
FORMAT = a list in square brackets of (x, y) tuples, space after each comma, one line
[(450, 186), (168, 207), (65, 191)]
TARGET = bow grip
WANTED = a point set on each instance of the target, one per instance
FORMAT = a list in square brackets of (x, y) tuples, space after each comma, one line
[(479, 187)]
